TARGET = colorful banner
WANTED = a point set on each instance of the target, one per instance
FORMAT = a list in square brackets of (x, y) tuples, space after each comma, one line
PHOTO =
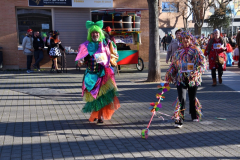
[(124, 39), (49, 3)]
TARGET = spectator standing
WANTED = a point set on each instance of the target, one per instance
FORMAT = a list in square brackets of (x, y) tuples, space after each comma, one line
[(54, 52), (238, 44), (38, 46), (225, 38), (27, 45), (233, 42), (173, 46), (47, 44), (164, 41)]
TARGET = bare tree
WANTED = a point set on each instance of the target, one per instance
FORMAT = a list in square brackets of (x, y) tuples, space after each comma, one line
[(200, 7), (186, 11), (154, 71), (221, 17), (197, 8)]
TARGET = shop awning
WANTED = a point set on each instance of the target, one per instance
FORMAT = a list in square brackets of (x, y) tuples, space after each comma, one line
[(119, 10)]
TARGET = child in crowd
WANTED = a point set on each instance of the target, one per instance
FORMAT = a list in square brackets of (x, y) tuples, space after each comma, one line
[(229, 55)]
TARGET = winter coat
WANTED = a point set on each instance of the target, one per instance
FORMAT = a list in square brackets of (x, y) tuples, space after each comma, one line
[(27, 45), (169, 39), (213, 49), (164, 39), (173, 46), (38, 42)]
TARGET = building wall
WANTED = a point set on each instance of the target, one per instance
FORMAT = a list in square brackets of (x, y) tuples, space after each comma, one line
[(14, 58)]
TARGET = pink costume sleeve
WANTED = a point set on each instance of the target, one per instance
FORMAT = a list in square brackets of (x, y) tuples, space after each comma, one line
[(82, 51)]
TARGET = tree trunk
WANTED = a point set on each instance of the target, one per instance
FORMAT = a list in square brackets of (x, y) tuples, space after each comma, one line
[(185, 23), (154, 71), (197, 29)]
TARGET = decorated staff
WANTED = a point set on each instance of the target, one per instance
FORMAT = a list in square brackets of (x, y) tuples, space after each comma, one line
[(185, 72), (156, 106), (99, 89)]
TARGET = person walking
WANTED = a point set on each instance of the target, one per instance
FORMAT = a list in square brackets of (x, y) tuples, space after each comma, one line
[(173, 46), (27, 45), (38, 46), (160, 40), (164, 41), (217, 57), (185, 71), (55, 45), (99, 87), (168, 41), (225, 37)]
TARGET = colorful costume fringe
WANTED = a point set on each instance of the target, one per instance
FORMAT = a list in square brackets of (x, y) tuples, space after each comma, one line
[(187, 55), (99, 89), (177, 112)]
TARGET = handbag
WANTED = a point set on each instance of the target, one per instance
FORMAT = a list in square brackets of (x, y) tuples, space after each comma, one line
[(219, 59), (113, 55)]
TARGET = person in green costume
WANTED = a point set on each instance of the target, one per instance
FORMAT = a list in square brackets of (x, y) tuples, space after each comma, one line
[(99, 88)]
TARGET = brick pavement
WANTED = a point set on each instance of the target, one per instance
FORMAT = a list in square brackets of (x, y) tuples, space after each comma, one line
[(41, 118)]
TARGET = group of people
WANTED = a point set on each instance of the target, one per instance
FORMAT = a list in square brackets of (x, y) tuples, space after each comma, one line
[(165, 41), (34, 45), (99, 54), (188, 63)]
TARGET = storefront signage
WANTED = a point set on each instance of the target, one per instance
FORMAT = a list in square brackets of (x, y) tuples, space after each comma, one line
[(73, 3), (45, 26), (50, 2), (124, 39), (92, 3)]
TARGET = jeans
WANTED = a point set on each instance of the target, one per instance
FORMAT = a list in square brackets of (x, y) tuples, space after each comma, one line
[(220, 71), (29, 61), (164, 46), (182, 93), (38, 55), (167, 44)]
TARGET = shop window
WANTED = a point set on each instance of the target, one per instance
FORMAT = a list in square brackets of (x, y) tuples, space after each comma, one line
[(170, 6), (36, 19)]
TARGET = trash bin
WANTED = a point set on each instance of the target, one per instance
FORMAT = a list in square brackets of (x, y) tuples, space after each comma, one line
[(1, 57)]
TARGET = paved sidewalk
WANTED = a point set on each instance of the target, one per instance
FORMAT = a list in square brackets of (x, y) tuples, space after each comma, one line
[(41, 118)]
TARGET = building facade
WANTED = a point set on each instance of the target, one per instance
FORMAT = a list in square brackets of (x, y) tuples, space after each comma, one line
[(69, 18), (45, 15)]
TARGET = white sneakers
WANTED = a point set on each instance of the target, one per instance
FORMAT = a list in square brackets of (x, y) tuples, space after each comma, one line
[(29, 71), (178, 125)]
